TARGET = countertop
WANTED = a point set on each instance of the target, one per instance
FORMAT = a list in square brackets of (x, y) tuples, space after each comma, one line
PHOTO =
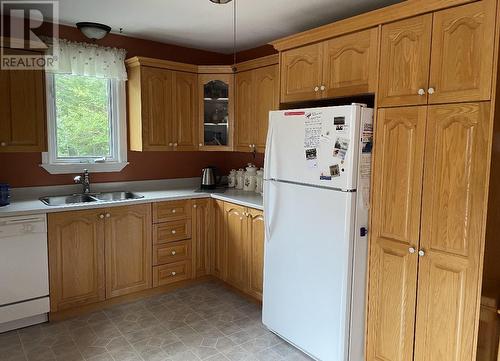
[(25, 200)]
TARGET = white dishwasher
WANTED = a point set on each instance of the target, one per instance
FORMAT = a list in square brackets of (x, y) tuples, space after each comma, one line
[(24, 274)]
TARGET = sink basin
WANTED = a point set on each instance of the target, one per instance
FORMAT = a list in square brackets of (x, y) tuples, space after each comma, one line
[(87, 198), (69, 199), (116, 196)]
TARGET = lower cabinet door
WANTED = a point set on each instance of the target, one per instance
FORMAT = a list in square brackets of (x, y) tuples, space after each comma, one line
[(456, 167), (201, 239), (128, 249), (218, 248), (255, 252), (76, 258), (236, 242)]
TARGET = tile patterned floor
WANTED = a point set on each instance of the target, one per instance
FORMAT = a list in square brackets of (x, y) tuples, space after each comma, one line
[(200, 322)]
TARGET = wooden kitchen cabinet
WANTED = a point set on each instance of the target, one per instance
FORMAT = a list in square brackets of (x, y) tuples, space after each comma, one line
[(162, 105), (456, 165), (236, 229), (426, 226), (218, 259), (445, 57), (185, 111), (128, 249), (255, 252), (345, 65), (203, 233), (22, 111), (462, 53), (256, 93), (350, 64), (404, 61), (301, 73), (76, 258)]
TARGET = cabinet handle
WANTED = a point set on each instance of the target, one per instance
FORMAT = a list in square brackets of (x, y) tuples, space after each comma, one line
[(323, 87), (173, 273), (174, 231), (194, 206), (101, 216), (173, 253), (316, 88), (3, 144), (412, 250), (431, 90), (421, 253), (108, 215), (421, 91), (173, 211)]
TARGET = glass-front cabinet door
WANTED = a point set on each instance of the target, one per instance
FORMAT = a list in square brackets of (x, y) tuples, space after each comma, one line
[(216, 111)]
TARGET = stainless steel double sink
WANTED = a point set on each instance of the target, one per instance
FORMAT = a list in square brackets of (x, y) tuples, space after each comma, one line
[(88, 198)]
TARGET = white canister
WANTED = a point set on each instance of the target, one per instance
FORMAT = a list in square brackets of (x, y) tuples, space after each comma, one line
[(250, 180), (240, 178), (231, 178), (259, 187)]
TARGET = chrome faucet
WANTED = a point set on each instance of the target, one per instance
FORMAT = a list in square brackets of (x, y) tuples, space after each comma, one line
[(84, 180)]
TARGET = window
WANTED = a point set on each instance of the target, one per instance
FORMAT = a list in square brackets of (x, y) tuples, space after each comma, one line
[(86, 124)]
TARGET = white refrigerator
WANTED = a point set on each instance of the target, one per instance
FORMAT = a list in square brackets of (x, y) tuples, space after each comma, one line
[(316, 201)]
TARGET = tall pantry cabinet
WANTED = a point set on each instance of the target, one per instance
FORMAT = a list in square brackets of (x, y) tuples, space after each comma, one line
[(430, 168)]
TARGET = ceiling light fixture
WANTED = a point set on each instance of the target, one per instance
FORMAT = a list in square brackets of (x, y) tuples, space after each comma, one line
[(220, 1), (94, 31)]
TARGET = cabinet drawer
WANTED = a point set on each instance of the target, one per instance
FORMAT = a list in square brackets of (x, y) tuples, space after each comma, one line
[(171, 252), (171, 211), (171, 231), (170, 273)]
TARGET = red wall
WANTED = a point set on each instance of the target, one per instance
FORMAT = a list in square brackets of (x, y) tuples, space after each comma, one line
[(23, 170)]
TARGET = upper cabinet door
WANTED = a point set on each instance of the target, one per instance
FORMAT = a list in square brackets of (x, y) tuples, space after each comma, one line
[(185, 114), (456, 169), (301, 73), (266, 97), (157, 129), (462, 53), (22, 111), (244, 126), (216, 111), (128, 249), (405, 62), (350, 64), (396, 210)]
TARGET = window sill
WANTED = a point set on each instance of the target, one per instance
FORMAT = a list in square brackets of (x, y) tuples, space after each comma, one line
[(79, 167)]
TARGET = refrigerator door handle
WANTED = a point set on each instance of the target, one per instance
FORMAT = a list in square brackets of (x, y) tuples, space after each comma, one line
[(267, 212)]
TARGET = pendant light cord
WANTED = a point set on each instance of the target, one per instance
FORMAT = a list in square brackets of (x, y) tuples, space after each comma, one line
[(234, 35)]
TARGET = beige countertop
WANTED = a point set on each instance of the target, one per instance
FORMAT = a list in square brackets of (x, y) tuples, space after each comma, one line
[(26, 200)]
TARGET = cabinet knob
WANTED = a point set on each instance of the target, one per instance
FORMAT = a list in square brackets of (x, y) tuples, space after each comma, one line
[(316, 88), (108, 215), (170, 144), (3, 144), (101, 216), (323, 87), (421, 253), (249, 146), (173, 210), (421, 91), (412, 250), (173, 273), (200, 145), (175, 144), (173, 253), (431, 90), (195, 206), (174, 231)]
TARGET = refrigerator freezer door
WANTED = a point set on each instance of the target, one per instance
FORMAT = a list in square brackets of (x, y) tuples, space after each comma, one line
[(317, 146), (307, 268)]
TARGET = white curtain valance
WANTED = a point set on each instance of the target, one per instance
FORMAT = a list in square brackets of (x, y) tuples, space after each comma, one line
[(89, 60)]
